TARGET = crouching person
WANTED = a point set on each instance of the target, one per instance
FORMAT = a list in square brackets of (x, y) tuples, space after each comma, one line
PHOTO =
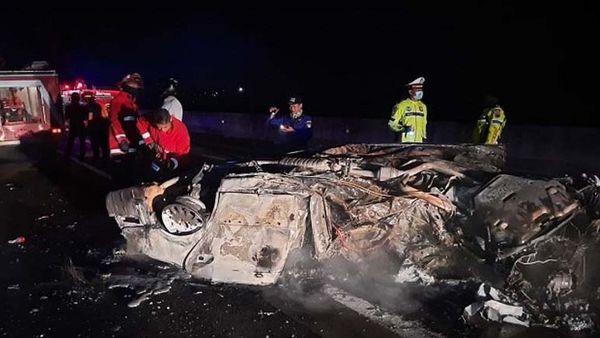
[(168, 141)]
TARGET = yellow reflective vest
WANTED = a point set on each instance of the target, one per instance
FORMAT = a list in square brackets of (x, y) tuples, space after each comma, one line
[(409, 118), (489, 126)]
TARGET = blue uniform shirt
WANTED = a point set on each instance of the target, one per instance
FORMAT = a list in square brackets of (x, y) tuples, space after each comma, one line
[(301, 134)]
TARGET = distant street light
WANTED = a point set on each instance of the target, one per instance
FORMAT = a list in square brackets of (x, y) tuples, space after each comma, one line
[(240, 89)]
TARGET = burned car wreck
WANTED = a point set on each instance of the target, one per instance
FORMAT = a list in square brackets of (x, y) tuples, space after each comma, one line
[(448, 211)]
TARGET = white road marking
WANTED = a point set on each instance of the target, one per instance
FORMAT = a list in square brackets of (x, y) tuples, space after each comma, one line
[(102, 173), (92, 168), (10, 143), (395, 323)]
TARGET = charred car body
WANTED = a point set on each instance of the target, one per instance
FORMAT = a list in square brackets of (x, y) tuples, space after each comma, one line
[(449, 210)]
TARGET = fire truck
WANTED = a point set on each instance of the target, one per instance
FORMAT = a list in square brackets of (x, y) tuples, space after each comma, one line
[(103, 95), (29, 104)]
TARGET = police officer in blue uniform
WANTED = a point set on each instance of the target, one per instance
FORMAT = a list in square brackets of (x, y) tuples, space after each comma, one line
[(295, 129)]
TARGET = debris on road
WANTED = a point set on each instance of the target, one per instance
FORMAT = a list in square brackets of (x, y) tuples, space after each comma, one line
[(18, 240)]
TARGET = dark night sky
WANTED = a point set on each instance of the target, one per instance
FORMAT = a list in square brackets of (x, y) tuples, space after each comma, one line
[(541, 61)]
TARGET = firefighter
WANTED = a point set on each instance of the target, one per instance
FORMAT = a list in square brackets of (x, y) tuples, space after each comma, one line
[(168, 140), (76, 115), (409, 117), (97, 126), (491, 122), (124, 136), (170, 101), (294, 129)]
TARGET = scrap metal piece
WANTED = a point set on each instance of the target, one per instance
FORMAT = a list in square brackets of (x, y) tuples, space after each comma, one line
[(130, 207), (311, 163), (168, 183), (560, 284), (500, 308), (444, 167), (153, 191), (515, 210)]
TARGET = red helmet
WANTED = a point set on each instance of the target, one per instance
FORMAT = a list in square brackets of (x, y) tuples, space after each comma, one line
[(87, 95), (133, 80)]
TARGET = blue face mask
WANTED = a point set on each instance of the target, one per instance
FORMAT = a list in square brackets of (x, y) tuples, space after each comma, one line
[(418, 95)]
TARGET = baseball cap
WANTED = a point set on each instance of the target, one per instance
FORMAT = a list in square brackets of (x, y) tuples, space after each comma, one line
[(294, 100)]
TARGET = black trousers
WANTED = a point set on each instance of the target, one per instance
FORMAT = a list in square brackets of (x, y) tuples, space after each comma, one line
[(99, 138), (80, 134)]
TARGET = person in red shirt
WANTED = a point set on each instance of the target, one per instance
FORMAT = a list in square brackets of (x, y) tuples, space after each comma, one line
[(124, 136), (168, 138)]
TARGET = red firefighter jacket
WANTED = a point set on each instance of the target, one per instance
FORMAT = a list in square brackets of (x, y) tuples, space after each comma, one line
[(123, 116)]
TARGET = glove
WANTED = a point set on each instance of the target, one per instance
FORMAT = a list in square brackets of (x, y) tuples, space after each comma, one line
[(273, 111), (124, 145), (165, 165), (156, 149)]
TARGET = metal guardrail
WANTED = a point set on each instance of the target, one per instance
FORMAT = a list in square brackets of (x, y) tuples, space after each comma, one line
[(26, 72)]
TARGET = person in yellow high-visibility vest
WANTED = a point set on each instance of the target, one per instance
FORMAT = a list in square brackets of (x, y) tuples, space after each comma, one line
[(409, 117), (490, 124)]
